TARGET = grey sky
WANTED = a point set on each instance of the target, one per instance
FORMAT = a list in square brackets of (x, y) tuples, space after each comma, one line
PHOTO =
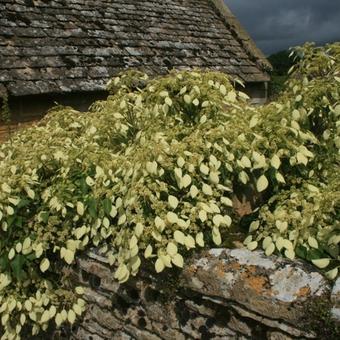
[(278, 24)]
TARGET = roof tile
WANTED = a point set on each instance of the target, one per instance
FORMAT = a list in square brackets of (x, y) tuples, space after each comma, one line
[(75, 45)]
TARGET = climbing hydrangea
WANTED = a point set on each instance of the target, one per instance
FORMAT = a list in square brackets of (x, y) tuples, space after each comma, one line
[(159, 169), (303, 219)]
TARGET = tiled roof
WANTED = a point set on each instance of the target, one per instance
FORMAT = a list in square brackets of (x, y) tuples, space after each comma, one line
[(53, 46)]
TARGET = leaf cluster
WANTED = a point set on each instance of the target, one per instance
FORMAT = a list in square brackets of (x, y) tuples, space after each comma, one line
[(153, 173)]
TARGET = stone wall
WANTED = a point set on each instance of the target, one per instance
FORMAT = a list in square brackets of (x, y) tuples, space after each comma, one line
[(220, 294)]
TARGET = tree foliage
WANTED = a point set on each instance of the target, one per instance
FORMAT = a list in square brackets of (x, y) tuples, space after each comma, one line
[(152, 173)]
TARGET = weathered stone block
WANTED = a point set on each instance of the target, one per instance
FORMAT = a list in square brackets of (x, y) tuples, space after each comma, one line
[(272, 287), (220, 294)]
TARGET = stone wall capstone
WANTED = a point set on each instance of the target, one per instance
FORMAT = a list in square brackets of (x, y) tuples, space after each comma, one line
[(220, 294)]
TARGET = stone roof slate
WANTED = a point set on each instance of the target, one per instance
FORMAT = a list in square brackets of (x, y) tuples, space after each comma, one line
[(54, 46)]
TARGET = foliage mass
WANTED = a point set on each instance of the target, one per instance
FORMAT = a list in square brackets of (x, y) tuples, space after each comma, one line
[(156, 170)]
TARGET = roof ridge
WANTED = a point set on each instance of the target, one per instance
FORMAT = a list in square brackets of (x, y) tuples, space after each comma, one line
[(241, 35)]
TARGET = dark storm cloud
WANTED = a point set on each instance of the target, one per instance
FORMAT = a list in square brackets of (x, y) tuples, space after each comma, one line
[(278, 24)]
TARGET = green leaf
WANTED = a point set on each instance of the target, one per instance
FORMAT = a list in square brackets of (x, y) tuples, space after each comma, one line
[(204, 169), (179, 237), (11, 220), (178, 261), (44, 215), (173, 201), (139, 228), (58, 319), (290, 254), (148, 251), (189, 242), (270, 249), (83, 186), (172, 217), (44, 265), (69, 256), (159, 223), (279, 243), (202, 215), (107, 206), (301, 158), (231, 96), (337, 109), (207, 189), (6, 188), (216, 236), (226, 201), (113, 212), (332, 274), (266, 242), (92, 207), (200, 239), (252, 245), (133, 242), (23, 203), (11, 254), (79, 290), (245, 162), (227, 220), (135, 263), (80, 208), (4, 262), (187, 99), (254, 226), (196, 102), (298, 98), (214, 177), (121, 272), (243, 95), (156, 235), (166, 259), (253, 122), (262, 183), (168, 101), (243, 177), (164, 94), (275, 162), (218, 220), (159, 265), (279, 178), (171, 249), (45, 316), (247, 240), (106, 224), (321, 263), (17, 267), (223, 90), (193, 191), (313, 242), (71, 316), (301, 251), (185, 181)]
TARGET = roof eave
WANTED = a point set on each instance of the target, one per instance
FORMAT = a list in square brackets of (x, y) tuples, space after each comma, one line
[(257, 78), (242, 35)]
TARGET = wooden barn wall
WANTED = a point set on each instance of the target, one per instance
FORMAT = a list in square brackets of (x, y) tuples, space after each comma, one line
[(27, 110)]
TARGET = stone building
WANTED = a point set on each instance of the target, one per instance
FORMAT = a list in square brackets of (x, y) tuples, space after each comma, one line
[(65, 51)]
